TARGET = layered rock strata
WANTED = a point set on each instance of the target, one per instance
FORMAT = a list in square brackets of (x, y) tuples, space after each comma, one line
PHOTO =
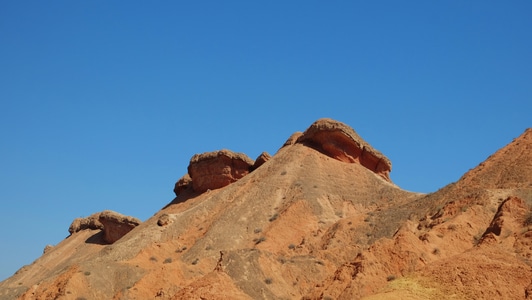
[(341, 142)]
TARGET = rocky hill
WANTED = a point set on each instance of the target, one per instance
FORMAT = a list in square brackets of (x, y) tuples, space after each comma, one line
[(320, 219)]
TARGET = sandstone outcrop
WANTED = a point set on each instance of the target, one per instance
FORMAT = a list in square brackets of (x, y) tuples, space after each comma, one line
[(90, 222), (263, 157), (47, 248), (182, 184), (214, 170), (113, 224), (164, 220), (116, 225), (292, 139), (341, 142)]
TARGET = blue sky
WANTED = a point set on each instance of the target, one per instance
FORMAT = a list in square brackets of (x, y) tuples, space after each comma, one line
[(102, 103)]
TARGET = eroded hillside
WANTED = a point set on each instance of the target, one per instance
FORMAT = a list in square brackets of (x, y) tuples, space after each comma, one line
[(320, 219)]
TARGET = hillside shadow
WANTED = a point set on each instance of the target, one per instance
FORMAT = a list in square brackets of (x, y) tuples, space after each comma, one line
[(182, 197), (96, 238)]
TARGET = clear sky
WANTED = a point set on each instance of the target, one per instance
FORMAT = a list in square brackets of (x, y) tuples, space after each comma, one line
[(102, 103)]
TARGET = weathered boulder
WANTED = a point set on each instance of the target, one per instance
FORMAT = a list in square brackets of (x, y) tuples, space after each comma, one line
[(292, 139), (90, 222), (214, 170), (182, 184), (263, 157), (47, 248), (341, 142), (164, 220), (116, 225)]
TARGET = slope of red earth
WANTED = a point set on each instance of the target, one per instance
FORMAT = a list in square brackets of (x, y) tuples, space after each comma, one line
[(311, 222)]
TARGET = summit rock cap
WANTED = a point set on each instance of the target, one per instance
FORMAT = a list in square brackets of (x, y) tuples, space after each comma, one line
[(341, 142)]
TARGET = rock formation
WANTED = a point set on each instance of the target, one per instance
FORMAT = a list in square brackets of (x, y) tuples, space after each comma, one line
[(90, 222), (341, 142), (182, 184), (263, 157), (214, 170), (306, 225), (116, 225), (292, 139)]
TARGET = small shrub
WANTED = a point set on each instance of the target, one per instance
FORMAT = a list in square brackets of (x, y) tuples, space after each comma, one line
[(196, 261), (86, 273), (390, 277), (153, 258), (452, 227), (291, 246), (257, 230), (274, 217), (268, 281), (436, 251), (179, 250), (259, 240), (424, 237), (283, 173), (167, 261)]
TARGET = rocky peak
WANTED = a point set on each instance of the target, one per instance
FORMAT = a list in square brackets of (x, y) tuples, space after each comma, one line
[(263, 157), (341, 142), (213, 170)]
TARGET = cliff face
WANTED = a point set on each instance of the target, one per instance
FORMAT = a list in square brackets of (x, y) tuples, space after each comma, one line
[(318, 220)]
